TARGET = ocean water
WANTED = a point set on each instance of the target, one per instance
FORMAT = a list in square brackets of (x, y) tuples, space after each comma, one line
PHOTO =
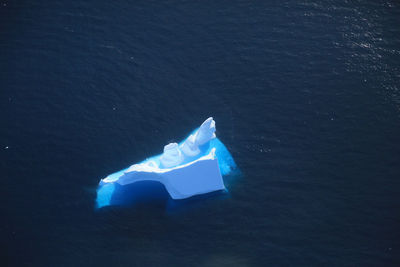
[(305, 94)]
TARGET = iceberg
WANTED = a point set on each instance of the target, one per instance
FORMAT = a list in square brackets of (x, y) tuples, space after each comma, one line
[(195, 166)]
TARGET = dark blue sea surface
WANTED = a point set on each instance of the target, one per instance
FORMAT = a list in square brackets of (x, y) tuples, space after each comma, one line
[(305, 94)]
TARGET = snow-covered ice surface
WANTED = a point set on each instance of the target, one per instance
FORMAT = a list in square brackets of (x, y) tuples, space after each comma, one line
[(194, 166)]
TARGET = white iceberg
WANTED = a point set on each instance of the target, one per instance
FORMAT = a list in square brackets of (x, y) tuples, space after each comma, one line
[(193, 167)]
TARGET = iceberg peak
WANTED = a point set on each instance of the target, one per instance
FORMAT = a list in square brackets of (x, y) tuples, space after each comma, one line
[(206, 132)]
